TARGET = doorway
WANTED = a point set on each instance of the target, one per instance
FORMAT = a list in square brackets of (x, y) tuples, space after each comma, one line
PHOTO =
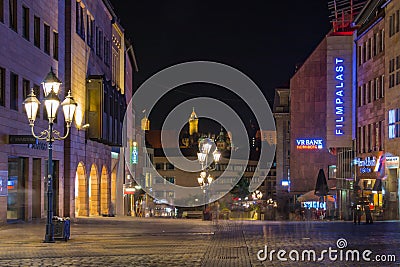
[(17, 175)]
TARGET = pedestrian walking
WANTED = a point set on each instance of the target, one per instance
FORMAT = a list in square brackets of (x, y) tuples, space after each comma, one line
[(368, 215)]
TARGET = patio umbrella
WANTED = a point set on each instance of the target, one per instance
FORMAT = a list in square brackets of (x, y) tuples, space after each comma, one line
[(311, 196), (321, 187)]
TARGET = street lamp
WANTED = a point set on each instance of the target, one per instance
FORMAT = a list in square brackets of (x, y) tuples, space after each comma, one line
[(205, 178), (51, 85)]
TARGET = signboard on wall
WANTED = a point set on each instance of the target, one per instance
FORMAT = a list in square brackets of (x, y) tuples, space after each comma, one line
[(309, 144), (339, 91), (369, 167), (3, 183), (392, 162)]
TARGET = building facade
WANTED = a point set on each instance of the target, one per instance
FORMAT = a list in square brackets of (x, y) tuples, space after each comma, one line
[(370, 104), (85, 46), (32, 41), (282, 122), (392, 105)]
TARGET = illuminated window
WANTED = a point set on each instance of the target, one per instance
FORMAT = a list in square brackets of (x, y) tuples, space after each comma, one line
[(394, 123)]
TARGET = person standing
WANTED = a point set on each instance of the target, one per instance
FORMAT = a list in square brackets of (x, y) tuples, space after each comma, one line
[(357, 214), (368, 215)]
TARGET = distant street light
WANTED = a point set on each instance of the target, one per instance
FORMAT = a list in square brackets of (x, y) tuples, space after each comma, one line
[(205, 178), (51, 85)]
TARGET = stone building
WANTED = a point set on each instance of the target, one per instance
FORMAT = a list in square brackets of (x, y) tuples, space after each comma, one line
[(282, 154), (370, 104), (84, 44), (32, 41), (392, 106)]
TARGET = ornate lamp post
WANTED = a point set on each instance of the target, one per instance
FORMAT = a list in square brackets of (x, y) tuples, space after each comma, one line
[(257, 195), (51, 85), (205, 178)]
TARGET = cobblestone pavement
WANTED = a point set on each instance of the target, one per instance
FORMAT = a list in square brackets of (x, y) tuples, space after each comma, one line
[(174, 242)]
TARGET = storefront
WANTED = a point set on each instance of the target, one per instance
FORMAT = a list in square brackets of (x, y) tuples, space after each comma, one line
[(370, 185)]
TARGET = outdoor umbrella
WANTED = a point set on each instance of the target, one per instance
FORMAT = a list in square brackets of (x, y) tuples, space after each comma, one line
[(321, 187)]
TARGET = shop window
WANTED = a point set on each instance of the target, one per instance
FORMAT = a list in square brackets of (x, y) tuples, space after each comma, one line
[(17, 176)]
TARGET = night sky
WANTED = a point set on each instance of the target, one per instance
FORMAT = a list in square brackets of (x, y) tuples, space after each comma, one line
[(263, 39)]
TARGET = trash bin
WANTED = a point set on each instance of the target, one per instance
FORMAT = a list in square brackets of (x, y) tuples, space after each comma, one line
[(62, 227)]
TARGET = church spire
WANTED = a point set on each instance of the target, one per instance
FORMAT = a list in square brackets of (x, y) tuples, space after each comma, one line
[(193, 123)]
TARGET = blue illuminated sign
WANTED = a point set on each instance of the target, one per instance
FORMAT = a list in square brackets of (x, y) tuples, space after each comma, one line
[(314, 204), (134, 153), (339, 96)]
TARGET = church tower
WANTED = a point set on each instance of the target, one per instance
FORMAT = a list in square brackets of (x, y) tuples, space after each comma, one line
[(193, 123)]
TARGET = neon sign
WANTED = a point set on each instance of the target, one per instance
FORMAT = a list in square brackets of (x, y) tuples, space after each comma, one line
[(314, 204), (134, 153), (309, 144), (367, 165), (339, 96)]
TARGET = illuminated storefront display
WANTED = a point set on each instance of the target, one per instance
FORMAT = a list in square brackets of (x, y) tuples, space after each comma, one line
[(314, 205), (309, 144)]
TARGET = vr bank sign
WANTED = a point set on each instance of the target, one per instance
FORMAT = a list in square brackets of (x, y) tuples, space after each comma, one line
[(339, 96), (309, 144)]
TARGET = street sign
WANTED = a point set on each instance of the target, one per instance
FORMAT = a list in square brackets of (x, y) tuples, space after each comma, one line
[(21, 139)]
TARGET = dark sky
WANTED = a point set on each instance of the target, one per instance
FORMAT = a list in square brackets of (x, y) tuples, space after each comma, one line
[(263, 39)]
